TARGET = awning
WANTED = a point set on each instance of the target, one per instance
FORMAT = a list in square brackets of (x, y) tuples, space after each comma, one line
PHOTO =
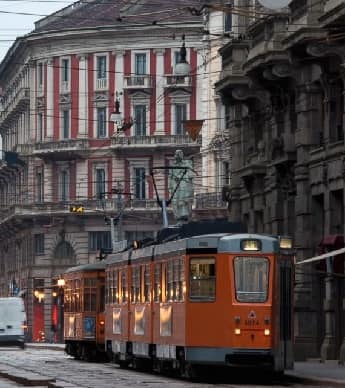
[(332, 239)]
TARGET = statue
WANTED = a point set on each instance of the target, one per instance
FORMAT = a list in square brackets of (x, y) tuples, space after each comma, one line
[(181, 187)]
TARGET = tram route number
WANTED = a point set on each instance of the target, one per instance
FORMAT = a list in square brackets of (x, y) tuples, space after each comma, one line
[(251, 322)]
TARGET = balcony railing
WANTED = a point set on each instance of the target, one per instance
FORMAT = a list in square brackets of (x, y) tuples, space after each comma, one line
[(65, 87), (157, 140), (173, 81), (101, 83), (69, 144), (209, 201), (138, 82), (91, 206), (15, 103), (61, 149), (99, 206)]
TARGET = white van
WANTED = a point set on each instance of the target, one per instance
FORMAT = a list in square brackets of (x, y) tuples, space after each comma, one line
[(12, 322)]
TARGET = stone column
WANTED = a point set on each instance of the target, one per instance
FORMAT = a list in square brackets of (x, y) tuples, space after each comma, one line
[(306, 310), (342, 347), (50, 100), (83, 97), (328, 347), (48, 182), (160, 81)]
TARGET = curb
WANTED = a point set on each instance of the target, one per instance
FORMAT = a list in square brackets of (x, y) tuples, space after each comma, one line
[(28, 379)]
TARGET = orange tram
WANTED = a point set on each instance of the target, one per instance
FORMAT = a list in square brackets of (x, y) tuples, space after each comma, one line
[(215, 299)]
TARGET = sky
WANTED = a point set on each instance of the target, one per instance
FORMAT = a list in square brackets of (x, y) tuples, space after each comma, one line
[(13, 25)]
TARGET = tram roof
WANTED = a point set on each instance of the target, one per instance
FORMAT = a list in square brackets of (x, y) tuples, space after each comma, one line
[(87, 267)]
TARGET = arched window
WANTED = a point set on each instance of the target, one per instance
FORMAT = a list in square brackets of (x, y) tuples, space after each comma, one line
[(64, 254)]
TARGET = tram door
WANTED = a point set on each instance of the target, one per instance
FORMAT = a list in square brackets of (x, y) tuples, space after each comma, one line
[(286, 329)]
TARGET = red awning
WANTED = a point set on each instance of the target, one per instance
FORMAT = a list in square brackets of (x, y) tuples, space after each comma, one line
[(332, 240)]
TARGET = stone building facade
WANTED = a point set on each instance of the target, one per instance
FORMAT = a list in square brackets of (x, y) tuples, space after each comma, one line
[(283, 83), (59, 87)]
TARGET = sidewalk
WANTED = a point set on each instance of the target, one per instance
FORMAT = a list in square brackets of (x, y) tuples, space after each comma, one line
[(329, 372), (324, 373)]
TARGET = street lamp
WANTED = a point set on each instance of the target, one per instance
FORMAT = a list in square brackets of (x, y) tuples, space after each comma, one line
[(60, 302), (182, 68)]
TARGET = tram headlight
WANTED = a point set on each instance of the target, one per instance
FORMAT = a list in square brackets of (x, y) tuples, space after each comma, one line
[(237, 331), (285, 243), (267, 332)]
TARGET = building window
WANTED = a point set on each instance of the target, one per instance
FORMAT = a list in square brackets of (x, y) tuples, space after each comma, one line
[(228, 19), (65, 124), (101, 67), (140, 120), (40, 127), (177, 57), (64, 185), (180, 116), (139, 183), (140, 64), (226, 173), (101, 123), (40, 75), (39, 187), (39, 244), (99, 240), (65, 70), (227, 118), (100, 183)]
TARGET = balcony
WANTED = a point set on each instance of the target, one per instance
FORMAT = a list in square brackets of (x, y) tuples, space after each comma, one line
[(101, 84), (138, 82), (334, 13), (209, 201), (91, 207), (173, 82), (268, 33), (65, 87), (68, 149), (304, 23), (233, 55), (14, 104), (158, 142)]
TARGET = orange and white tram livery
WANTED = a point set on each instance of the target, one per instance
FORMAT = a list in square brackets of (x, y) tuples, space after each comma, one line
[(215, 299)]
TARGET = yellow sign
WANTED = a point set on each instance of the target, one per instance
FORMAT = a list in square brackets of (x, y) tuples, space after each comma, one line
[(76, 209)]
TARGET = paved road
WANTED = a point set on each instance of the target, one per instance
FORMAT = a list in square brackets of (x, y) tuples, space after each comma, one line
[(51, 368)]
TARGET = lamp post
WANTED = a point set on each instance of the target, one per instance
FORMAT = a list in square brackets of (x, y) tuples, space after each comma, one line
[(60, 300), (182, 68)]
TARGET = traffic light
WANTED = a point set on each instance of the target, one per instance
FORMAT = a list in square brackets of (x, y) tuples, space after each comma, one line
[(76, 209)]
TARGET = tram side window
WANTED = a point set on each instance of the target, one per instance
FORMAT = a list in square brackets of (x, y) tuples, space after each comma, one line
[(102, 297), (169, 290), (136, 286), (77, 298), (67, 296), (147, 284), (157, 286), (181, 281), (115, 287), (124, 286), (251, 279), (90, 293), (202, 279), (112, 287), (109, 289)]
